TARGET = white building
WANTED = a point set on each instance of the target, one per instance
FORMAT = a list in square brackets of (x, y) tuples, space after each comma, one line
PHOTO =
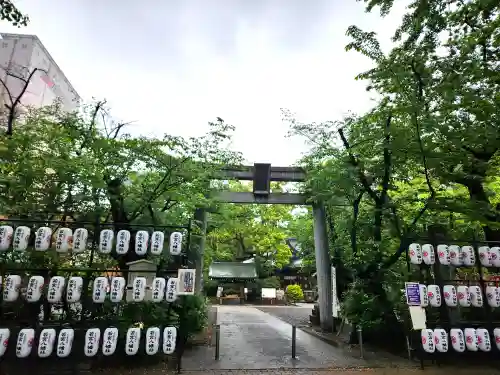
[(20, 55)]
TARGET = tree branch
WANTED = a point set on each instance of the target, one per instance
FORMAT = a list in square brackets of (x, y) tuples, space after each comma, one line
[(420, 97), (355, 163), (154, 194), (354, 232), (16, 101), (483, 156), (387, 160), (152, 214)]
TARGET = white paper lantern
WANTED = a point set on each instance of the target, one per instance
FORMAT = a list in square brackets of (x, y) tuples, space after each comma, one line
[(476, 296), (42, 238), (117, 290), (4, 340), (463, 294), (159, 285), (483, 339), (132, 341), (92, 339), (471, 339), (415, 253), (171, 292), (35, 288), (56, 289), (122, 242), (434, 293), (169, 340), (440, 340), (46, 342), (468, 256), (484, 256), (444, 255), (106, 241), (24, 343), (65, 342), (428, 340), (139, 289), (80, 238), (428, 255), (11, 288), (450, 295), (457, 340), (175, 244), (99, 289), (455, 255), (141, 242), (110, 340), (157, 241), (6, 233), (496, 336), (424, 295), (152, 340), (21, 238), (64, 236), (74, 290), (493, 296), (495, 256)]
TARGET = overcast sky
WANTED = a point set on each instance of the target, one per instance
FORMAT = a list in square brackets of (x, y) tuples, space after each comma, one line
[(174, 65)]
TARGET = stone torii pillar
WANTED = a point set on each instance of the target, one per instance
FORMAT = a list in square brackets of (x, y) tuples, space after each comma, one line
[(197, 248), (323, 268)]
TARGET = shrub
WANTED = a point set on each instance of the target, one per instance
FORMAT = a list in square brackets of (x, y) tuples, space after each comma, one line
[(294, 293)]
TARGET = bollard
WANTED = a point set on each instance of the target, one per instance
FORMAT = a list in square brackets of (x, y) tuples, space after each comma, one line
[(294, 341), (408, 347), (217, 342), (360, 340)]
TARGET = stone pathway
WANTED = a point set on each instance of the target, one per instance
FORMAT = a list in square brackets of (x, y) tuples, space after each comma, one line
[(340, 371), (253, 339), (298, 315), (337, 371)]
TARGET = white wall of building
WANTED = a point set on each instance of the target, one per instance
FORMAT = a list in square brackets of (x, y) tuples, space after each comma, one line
[(21, 54)]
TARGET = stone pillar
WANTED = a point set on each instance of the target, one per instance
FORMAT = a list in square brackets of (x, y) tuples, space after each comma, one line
[(323, 268), (197, 248)]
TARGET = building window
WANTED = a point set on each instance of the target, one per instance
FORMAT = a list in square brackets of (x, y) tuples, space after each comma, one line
[(24, 46), (5, 45)]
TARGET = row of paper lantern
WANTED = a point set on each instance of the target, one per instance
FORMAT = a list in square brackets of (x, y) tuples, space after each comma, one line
[(47, 341), (469, 339), (462, 295), (161, 289), (454, 255), (65, 240)]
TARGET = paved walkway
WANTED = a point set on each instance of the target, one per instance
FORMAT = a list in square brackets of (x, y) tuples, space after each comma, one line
[(340, 371), (298, 315), (253, 339)]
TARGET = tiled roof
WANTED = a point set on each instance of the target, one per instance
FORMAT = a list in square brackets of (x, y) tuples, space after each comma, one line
[(231, 270)]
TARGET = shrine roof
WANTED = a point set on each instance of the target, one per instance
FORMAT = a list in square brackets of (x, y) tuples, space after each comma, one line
[(232, 270)]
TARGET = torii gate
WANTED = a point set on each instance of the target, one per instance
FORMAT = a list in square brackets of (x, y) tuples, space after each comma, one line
[(262, 174)]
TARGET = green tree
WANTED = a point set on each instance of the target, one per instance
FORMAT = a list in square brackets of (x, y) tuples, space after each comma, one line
[(425, 154), (76, 167), (242, 231), (10, 13)]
